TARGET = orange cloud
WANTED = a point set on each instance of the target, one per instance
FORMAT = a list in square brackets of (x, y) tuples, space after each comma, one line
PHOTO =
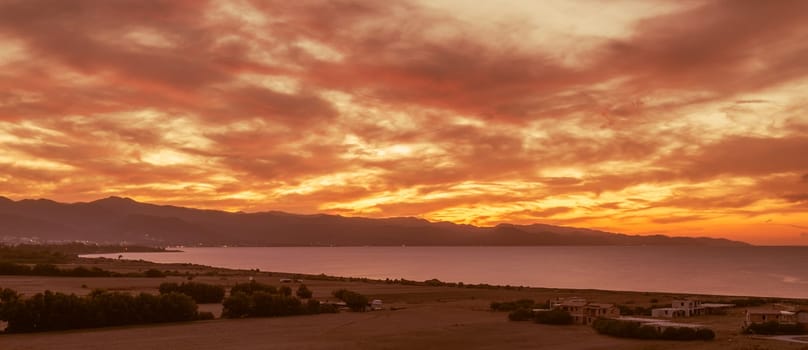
[(685, 120)]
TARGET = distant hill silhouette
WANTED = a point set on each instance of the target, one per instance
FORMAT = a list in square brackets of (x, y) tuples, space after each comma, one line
[(115, 219)]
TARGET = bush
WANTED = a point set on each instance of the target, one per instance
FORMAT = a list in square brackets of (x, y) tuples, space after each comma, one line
[(285, 290), (200, 292), (57, 311), (271, 305), (520, 315), (303, 292), (554, 317), (7, 268), (327, 308), (354, 300), (264, 304), (251, 287), (237, 305), (705, 334), (636, 310)]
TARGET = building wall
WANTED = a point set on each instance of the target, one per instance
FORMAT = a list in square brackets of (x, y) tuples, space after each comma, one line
[(753, 317)]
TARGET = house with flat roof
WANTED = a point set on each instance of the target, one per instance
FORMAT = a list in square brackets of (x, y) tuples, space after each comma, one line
[(770, 315), (584, 312), (688, 308)]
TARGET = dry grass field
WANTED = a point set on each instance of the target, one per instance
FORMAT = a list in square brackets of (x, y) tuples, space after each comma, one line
[(416, 317)]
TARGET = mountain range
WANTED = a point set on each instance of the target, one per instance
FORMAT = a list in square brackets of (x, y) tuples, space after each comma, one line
[(123, 220)]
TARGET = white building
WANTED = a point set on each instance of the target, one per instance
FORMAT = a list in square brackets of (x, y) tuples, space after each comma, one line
[(687, 308), (584, 312)]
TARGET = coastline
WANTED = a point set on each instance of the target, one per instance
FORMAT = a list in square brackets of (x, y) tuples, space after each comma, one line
[(720, 271), (418, 314)]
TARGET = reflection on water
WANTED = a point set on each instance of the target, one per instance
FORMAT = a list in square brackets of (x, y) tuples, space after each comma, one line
[(753, 271)]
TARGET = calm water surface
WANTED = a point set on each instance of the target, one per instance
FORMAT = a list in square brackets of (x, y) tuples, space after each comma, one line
[(753, 271)]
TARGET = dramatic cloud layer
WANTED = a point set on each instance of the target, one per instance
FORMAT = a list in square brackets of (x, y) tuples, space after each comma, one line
[(682, 118)]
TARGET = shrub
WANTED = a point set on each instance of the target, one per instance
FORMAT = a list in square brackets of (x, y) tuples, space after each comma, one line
[(200, 292), (252, 287), (354, 300), (328, 308), (264, 304), (285, 290), (237, 305), (520, 315), (270, 305), (57, 311), (705, 334), (303, 292)]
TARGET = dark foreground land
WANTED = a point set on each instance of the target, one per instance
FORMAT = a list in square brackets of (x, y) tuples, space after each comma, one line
[(415, 317)]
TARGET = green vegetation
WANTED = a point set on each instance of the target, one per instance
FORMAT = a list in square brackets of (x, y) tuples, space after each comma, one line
[(354, 300), (520, 315), (637, 310), (632, 329), (251, 287), (522, 310), (200, 292), (57, 311), (61, 253), (556, 316), (773, 328), (303, 292), (32, 254), (7, 268), (265, 304)]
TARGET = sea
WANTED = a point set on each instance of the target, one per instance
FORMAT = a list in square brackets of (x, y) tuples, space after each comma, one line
[(735, 271)]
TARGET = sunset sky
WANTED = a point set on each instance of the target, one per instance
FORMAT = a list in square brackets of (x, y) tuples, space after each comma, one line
[(674, 117)]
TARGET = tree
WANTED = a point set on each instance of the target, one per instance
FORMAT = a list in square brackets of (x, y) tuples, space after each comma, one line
[(554, 317), (520, 315), (303, 292), (237, 305), (57, 311), (200, 292), (354, 300), (252, 287)]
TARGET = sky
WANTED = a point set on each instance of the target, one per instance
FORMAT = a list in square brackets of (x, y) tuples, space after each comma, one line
[(685, 118)]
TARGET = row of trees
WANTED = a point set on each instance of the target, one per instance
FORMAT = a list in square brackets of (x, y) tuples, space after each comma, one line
[(256, 299), (522, 310), (8, 268), (631, 329), (58, 311), (263, 304), (354, 300), (200, 292)]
